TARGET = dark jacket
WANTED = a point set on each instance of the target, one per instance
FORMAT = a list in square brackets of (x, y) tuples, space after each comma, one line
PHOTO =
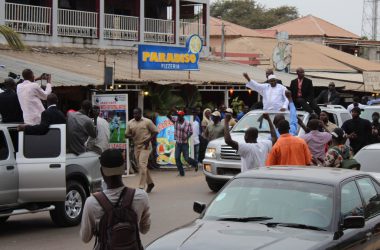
[(307, 89), (323, 98), (10, 109), (52, 115), (363, 130)]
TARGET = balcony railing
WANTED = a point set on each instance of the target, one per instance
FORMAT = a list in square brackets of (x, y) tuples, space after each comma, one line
[(159, 31), (190, 28), (77, 23), (28, 18), (118, 27)]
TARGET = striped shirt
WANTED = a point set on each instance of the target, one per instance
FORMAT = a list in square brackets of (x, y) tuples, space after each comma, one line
[(182, 131)]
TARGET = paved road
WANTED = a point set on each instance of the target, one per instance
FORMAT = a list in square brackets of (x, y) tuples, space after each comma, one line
[(171, 206)]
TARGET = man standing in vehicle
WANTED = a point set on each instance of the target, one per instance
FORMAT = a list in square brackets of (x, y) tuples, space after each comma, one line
[(142, 131), (273, 94)]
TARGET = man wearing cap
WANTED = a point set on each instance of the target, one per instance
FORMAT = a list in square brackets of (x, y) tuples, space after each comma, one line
[(112, 169), (142, 131), (216, 129), (358, 130), (10, 109), (273, 94), (182, 133), (232, 121)]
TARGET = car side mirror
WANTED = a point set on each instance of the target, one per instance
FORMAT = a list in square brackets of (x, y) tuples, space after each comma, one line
[(199, 207), (351, 222)]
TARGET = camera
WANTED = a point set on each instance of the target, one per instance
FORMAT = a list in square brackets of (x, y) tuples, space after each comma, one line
[(45, 76)]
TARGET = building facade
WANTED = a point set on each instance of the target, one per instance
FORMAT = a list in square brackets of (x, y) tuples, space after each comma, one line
[(107, 23)]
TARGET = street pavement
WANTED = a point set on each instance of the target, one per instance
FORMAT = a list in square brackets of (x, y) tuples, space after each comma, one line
[(171, 206)]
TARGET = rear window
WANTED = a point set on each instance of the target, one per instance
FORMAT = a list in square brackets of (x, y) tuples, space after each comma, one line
[(43, 146), (367, 113)]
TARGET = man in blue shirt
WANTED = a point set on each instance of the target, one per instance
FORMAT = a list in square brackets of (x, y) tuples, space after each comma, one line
[(242, 113), (293, 121)]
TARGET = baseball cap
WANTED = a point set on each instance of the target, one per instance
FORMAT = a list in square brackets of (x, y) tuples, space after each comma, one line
[(216, 113), (229, 110), (338, 133), (180, 112), (270, 77), (112, 162)]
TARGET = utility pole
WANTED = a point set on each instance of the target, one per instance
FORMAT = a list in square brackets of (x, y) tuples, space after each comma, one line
[(374, 20), (222, 50)]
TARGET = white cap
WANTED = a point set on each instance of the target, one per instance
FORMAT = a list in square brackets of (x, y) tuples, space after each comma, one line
[(270, 77), (229, 110)]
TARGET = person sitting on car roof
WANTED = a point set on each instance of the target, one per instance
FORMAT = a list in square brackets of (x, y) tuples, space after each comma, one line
[(273, 94)]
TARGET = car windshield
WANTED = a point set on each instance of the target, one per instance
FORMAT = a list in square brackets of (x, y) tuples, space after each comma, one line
[(253, 120), (275, 201), (367, 113)]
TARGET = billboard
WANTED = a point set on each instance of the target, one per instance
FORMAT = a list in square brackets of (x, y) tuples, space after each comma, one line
[(154, 57), (166, 143)]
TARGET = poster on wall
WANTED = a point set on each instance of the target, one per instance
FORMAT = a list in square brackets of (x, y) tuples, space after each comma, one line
[(114, 109), (166, 143)]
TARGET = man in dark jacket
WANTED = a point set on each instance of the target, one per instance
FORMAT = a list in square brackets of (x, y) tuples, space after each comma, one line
[(303, 92), (10, 109), (52, 115), (329, 96)]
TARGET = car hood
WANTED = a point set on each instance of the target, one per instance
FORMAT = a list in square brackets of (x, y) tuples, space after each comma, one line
[(243, 236), (238, 137)]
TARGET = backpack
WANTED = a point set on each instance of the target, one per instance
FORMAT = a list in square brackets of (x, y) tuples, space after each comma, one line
[(118, 228), (347, 163)]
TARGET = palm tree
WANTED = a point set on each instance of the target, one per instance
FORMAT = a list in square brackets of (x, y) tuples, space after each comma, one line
[(13, 39)]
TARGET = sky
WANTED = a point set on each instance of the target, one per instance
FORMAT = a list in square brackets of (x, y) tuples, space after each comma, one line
[(344, 13)]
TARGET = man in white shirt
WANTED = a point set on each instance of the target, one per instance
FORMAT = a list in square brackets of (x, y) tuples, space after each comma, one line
[(273, 94), (195, 138), (30, 95), (101, 142), (253, 153)]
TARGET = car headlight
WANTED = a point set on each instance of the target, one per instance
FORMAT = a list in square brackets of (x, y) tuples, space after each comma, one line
[(210, 153)]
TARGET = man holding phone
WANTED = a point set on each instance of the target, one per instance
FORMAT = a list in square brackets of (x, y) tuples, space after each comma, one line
[(30, 95)]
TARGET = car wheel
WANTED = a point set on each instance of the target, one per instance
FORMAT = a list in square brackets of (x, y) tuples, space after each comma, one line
[(69, 212), (213, 185)]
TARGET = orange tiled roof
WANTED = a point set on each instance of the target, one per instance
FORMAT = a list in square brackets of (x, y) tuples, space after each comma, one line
[(313, 26), (232, 29)]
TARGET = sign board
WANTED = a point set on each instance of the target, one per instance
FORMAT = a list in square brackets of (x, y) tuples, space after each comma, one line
[(153, 57), (166, 143), (114, 109), (371, 78)]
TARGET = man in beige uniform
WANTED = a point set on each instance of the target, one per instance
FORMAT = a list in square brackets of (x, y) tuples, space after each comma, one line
[(142, 131)]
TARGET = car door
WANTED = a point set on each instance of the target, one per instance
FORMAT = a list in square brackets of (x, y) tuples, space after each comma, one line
[(41, 166), (8, 171), (369, 190), (352, 205)]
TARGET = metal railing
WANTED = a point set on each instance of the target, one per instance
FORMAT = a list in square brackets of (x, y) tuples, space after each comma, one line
[(28, 18), (159, 31), (119, 27), (190, 28), (77, 23)]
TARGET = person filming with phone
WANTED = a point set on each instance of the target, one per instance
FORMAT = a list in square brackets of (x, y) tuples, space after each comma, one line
[(30, 95)]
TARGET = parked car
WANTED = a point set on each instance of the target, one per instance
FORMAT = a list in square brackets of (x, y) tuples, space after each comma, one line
[(285, 208), (37, 175), (221, 162), (368, 157)]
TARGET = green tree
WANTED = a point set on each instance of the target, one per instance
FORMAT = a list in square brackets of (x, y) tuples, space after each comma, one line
[(11, 37), (251, 14)]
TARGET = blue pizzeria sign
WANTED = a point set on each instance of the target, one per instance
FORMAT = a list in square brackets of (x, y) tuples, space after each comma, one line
[(152, 57)]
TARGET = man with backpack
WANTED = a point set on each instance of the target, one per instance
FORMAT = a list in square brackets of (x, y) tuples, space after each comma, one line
[(117, 215)]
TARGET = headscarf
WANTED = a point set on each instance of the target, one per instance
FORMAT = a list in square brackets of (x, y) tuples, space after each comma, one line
[(205, 119)]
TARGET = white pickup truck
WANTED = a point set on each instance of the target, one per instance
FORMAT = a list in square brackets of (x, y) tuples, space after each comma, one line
[(37, 175)]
